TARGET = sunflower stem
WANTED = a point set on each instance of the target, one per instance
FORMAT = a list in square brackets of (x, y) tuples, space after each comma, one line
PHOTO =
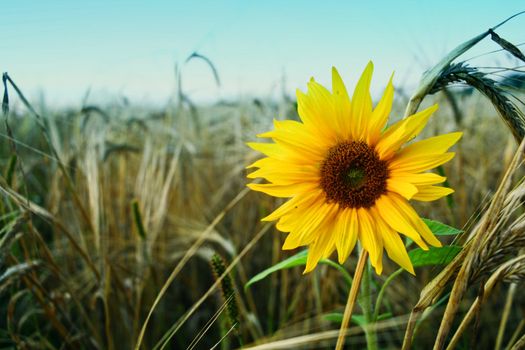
[(382, 291), (352, 297)]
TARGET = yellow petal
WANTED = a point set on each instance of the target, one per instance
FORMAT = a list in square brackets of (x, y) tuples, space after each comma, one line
[(316, 109), (414, 219), (321, 248), (322, 102), (362, 104), (432, 145), (307, 116), (313, 119), (311, 210), (342, 105), (304, 228), (272, 163), (417, 179), (394, 245), (416, 164), (294, 135), (405, 189), (283, 191), (346, 229), (287, 175), (278, 152), (431, 193), (397, 220), (370, 240), (297, 204), (380, 114), (315, 252), (402, 131), (259, 163), (339, 88), (269, 149)]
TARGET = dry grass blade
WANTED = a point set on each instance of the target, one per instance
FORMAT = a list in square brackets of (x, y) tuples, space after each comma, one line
[(505, 315), (430, 294), (511, 270), (215, 285), (507, 242), (462, 262), (10, 235), (42, 123), (314, 340), (520, 344), (223, 337), (18, 270), (479, 236), (189, 253), (209, 323), (33, 208), (517, 332)]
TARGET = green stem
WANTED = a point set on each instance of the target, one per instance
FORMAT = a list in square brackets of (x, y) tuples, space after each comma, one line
[(340, 268), (379, 299), (365, 300)]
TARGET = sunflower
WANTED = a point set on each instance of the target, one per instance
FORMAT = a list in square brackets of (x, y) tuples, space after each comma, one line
[(350, 178)]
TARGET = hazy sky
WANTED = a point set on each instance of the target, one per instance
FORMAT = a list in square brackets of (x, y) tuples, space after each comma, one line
[(129, 48)]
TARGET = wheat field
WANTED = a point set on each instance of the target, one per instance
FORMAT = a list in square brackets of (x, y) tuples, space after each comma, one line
[(124, 227)]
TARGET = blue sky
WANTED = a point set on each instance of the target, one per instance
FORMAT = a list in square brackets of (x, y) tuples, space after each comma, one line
[(129, 48)]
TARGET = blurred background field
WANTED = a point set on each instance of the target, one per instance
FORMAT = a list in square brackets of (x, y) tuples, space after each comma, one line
[(80, 260), (103, 202)]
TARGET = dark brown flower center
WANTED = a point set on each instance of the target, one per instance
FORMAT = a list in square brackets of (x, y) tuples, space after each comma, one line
[(353, 176)]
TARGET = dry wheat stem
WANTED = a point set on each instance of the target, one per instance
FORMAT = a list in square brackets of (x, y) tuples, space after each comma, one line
[(352, 297), (489, 221), (512, 268), (505, 316)]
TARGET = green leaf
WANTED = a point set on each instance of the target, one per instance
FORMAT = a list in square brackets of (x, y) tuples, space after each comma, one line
[(433, 256), (295, 260), (360, 320), (440, 229), (384, 316), (298, 259)]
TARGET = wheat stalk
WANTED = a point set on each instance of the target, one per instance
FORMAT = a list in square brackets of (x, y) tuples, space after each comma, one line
[(460, 72)]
